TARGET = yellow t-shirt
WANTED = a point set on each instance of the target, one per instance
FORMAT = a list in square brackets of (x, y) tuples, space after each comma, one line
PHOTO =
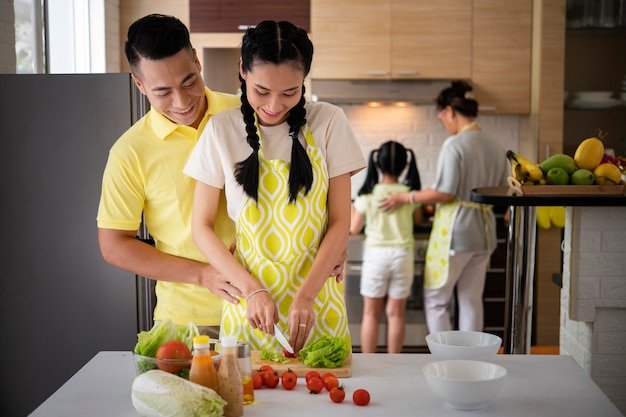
[(144, 174)]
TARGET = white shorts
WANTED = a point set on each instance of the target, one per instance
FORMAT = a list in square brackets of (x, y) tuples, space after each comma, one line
[(387, 271)]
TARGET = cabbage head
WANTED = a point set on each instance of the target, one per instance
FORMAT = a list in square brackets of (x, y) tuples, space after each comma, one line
[(158, 393)]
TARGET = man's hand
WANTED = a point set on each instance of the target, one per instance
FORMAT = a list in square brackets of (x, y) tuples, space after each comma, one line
[(338, 270), (218, 284)]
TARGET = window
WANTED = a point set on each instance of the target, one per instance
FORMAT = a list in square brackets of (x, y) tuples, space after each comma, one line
[(29, 36), (70, 39)]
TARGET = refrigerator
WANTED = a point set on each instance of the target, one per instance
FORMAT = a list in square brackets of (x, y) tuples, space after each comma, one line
[(60, 302)]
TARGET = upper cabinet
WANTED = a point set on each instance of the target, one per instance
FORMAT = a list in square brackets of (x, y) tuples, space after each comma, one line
[(485, 41), (431, 39), (210, 16), (501, 55), (391, 39)]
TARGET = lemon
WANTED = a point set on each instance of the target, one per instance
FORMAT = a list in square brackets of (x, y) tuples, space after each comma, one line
[(607, 174)]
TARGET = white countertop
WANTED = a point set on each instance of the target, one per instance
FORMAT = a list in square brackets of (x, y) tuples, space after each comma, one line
[(536, 385)]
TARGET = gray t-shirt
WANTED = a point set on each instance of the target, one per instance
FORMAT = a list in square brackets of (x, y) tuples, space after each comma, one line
[(469, 160)]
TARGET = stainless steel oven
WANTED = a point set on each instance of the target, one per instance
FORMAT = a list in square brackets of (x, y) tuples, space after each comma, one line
[(415, 323)]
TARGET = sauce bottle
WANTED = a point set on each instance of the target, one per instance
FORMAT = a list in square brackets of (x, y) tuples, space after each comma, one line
[(202, 369), (229, 385), (245, 367)]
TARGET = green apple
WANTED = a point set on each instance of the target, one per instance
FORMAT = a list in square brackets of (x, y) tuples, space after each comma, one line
[(557, 176)]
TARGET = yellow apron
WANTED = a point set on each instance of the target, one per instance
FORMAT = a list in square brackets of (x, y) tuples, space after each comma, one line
[(277, 242), (437, 264)]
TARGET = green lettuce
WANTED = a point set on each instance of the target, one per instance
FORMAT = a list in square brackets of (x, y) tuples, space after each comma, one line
[(325, 352), (161, 394), (149, 341), (273, 355)]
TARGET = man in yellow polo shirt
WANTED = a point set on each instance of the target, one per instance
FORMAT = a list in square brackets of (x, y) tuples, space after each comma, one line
[(144, 174)]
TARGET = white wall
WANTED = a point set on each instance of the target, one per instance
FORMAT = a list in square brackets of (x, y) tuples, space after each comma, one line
[(418, 128), (593, 298)]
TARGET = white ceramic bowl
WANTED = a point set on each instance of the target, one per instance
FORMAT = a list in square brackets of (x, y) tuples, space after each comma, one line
[(459, 344), (464, 384), (594, 95)]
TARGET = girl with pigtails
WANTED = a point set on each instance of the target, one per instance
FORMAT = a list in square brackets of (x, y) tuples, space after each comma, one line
[(285, 166), (388, 257)]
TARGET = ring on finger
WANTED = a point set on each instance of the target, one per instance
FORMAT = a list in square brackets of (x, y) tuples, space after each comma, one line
[(302, 324)]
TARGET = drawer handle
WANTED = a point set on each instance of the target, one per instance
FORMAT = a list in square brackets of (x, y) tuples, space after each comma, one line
[(377, 73), (406, 73)]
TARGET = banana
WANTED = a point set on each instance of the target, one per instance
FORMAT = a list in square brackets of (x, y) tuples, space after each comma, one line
[(524, 170)]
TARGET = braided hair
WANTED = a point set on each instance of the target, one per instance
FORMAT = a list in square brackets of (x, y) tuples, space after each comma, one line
[(276, 43), (391, 158), (459, 96)]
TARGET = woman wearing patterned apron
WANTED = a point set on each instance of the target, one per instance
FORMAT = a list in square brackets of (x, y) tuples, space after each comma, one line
[(463, 235), (289, 197)]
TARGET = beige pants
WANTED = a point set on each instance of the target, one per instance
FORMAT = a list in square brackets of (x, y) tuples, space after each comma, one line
[(468, 271)]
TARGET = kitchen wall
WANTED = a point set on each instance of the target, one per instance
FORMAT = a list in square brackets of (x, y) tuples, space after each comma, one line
[(418, 128)]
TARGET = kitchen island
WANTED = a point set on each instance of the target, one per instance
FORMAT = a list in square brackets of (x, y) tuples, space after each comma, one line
[(520, 265), (536, 385)]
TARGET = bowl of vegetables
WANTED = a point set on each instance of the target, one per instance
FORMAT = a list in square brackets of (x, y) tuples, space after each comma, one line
[(464, 384), (177, 366), (168, 347), (458, 344)]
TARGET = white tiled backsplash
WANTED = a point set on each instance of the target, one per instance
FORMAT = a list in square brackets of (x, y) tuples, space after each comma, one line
[(418, 128)]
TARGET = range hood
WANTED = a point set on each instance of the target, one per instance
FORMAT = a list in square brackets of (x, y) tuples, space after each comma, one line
[(384, 91)]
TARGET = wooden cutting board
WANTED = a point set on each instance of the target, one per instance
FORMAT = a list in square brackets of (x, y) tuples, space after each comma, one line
[(299, 367)]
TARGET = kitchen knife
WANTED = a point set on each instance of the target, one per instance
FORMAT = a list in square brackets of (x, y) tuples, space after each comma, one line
[(282, 339)]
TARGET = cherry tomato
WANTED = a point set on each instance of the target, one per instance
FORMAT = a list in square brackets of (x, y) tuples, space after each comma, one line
[(271, 379), (311, 374), (266, 368), (330, 382), (288, 354), (337, 394), (326, 375), (289, 379), (257, 380), (315, 385), (361, 397)]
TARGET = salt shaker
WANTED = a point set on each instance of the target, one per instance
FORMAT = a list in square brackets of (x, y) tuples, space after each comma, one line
[(245, 368)]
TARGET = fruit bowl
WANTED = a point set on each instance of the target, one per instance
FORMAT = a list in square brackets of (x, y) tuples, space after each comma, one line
[(178, 367), (459, 344), (464, 384)]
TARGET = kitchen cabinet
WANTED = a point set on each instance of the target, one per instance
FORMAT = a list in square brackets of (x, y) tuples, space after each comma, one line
[(235, 15), (501, 55), (594, 61), (391, 39)]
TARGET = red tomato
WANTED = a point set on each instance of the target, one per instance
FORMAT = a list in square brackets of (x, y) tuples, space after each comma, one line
[(315, 385), (330, 382), (271, 379), (337, 394), (257, 380), (326, 375), (267, 368), (288, 354), (289, 379), (361, 397), (311, 374), (174, 349)]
